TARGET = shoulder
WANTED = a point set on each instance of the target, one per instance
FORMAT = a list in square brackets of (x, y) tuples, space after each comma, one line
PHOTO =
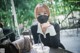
[(35, 25), (33, 29), (55, 24)]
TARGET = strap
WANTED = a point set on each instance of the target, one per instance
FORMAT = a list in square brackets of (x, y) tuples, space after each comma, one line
[(18, 47), (27, 45), (30, 36)]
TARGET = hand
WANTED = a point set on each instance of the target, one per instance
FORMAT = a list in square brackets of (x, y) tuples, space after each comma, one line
[(44, 26)]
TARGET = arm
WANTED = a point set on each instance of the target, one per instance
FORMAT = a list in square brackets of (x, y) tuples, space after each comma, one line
[(34, 33)]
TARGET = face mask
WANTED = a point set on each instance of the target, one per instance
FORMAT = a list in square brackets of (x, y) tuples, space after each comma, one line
[(43, 19)]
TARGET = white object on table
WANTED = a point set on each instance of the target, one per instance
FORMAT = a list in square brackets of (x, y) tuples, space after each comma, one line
[(40, 48), (2, 50)]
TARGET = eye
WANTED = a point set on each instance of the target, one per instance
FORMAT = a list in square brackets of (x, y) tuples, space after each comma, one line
[(39, 14), (45, 13)]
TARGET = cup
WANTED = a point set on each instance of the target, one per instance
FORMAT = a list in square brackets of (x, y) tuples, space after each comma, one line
[(44, 49), (2, 50), (40, 48), (36, 46)]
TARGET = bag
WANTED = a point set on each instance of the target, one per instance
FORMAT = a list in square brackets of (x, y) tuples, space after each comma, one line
[(8, 48), (26, 48)]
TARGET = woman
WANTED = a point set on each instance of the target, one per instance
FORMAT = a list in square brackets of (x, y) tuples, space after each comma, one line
[(49, 33)]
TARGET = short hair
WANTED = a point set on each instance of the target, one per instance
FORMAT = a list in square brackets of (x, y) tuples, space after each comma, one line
[(41, 5)]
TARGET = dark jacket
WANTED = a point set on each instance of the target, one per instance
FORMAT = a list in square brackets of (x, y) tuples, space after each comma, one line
[(52, 41)]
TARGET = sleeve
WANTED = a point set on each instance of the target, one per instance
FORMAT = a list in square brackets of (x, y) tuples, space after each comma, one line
[(55, 40), (57, 29), (34, 33)]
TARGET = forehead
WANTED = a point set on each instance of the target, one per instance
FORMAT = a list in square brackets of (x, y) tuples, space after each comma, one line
[(41, 9)]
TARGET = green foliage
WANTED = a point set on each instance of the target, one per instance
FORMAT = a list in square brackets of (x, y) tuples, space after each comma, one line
[(25, 9), (58, 7)]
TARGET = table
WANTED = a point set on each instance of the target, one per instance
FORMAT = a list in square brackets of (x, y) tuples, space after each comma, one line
[(59, 51), (53, 51)]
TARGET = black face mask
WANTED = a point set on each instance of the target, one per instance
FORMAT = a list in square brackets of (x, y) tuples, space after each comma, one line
[(43, 19)]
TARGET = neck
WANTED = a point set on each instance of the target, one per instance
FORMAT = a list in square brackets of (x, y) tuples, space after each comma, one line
[(44, 27)]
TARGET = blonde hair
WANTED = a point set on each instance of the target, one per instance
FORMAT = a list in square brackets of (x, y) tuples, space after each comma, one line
[(41, 5)]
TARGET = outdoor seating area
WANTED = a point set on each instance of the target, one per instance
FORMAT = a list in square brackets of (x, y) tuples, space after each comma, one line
[(39, 26)]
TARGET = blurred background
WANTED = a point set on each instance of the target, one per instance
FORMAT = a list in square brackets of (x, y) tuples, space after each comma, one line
[(18, 15)]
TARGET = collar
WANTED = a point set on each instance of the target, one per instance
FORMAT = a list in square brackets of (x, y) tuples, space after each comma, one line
[(49, 30)]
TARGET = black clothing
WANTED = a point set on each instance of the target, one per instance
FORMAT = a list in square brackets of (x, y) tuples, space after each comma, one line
[(51, 41), (6, 31)]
